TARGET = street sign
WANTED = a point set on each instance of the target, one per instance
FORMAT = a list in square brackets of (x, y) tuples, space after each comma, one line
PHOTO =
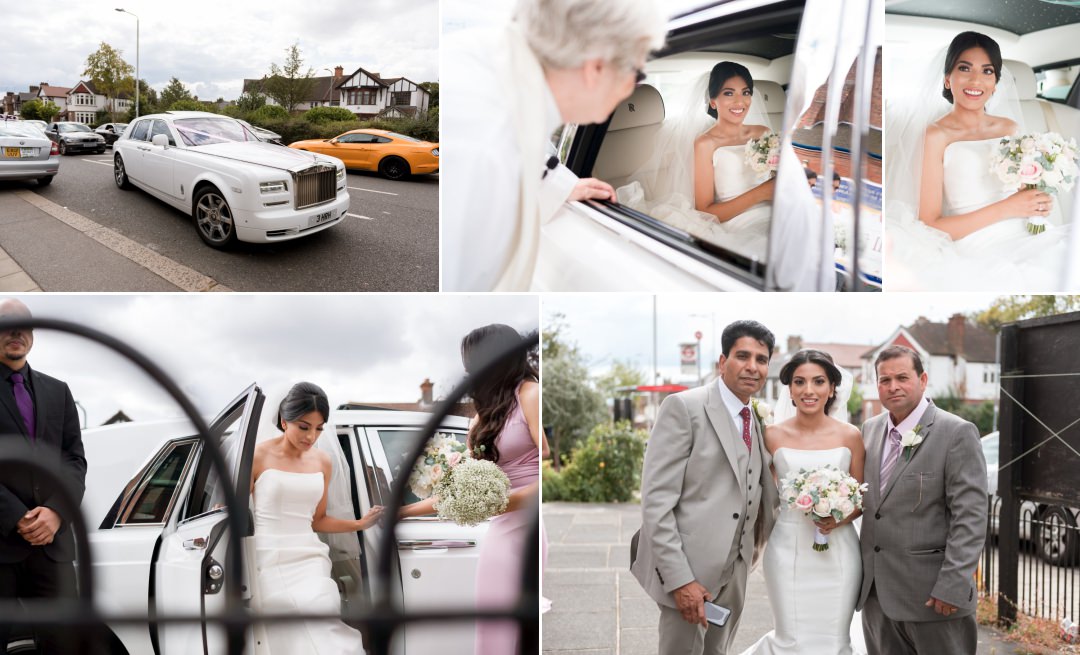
[(688, 358)]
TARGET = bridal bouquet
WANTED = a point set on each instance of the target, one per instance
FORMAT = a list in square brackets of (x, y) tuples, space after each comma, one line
[(1045, 161), (822, 492), (471, 492), (763, 153), (442, 453)]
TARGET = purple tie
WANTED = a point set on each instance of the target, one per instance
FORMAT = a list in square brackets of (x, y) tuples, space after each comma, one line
[(745, 414), (24, 403), (892, 454)]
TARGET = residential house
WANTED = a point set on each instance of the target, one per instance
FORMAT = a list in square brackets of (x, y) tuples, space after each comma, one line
[(13, 101), (58, 95), (363, 93), (85, 101), (959, 357), (425, 403)]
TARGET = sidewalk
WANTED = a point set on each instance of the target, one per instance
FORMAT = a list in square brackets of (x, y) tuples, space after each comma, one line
[(598, 608), (46, 247)]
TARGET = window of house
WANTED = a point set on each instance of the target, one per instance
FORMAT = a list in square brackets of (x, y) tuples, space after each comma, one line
[(368, 96), (401, 98)]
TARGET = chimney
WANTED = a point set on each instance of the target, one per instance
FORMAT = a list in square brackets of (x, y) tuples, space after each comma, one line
[(955, 334), (425, 392), (794, 343), (338, 72)]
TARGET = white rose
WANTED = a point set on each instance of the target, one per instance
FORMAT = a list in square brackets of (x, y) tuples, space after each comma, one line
[(1027, 145), (822, 507), (846, 507), (911, 438), (1053, 177)]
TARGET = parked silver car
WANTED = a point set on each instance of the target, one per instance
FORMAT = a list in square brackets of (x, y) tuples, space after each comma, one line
[(27, 154)]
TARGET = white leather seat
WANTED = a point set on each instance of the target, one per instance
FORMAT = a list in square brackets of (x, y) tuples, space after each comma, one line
[(772, 96), (631, 136), (1042, 115)]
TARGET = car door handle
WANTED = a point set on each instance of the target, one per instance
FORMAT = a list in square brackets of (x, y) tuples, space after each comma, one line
[(435, 544), (198, 543)]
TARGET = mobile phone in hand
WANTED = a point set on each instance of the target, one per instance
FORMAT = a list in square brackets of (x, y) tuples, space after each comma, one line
[(716, 615)]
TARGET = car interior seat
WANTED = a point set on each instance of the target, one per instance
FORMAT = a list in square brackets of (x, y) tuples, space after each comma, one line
[(631, 136)]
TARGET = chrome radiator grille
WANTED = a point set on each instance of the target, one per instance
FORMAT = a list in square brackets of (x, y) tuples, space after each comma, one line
[(314, 186)]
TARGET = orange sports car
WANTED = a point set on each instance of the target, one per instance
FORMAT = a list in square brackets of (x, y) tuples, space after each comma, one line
[(394, 155)]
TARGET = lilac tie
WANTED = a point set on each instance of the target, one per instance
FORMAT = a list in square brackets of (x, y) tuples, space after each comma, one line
[(24, 403), (745, 414), (891, 456)]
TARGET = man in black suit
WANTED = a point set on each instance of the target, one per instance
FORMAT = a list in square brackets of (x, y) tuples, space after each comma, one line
[(37, 413)]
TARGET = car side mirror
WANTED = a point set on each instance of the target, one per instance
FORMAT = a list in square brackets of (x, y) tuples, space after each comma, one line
[(160, 140)]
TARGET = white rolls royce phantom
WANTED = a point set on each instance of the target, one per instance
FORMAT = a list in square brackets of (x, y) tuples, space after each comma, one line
[(236, 187)]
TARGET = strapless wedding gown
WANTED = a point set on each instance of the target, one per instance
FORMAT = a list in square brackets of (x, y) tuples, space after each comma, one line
[(746, 234), (1002, 257), (812, 593), (293, 567)]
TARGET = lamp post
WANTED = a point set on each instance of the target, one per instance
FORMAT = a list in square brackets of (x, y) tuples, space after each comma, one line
[(125, 11)]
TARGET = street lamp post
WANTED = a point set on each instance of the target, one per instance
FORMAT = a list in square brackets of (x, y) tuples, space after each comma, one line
[(125, 11)]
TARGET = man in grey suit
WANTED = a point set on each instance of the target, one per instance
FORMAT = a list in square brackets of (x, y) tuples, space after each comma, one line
[(924, 518), (708, 500)]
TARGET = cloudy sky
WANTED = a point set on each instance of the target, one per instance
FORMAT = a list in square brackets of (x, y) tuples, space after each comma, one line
[(361, 348), (211, 46), (619, 327)]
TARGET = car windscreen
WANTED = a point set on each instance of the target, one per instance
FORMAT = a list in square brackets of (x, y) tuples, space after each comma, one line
[(20, 129), (206, 131), (73, 127)]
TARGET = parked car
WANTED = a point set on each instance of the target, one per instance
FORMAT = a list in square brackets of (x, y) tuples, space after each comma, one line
[(75, 137), (394, 156), (156, 521), (1052, 529), (235, 187), (27, 154), (264, 134), (111, 131)]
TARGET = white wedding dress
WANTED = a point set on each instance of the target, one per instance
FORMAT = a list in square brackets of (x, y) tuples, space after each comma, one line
[(1002, 257), (294, 567), (746, 234), (812, 593)]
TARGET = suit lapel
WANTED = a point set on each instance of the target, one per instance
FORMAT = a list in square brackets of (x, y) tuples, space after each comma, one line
[(724, 427), (7, 399), (926, 422)]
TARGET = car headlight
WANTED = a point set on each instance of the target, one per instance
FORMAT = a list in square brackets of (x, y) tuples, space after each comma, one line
[(340, 174), (273, 187), (435, 152)]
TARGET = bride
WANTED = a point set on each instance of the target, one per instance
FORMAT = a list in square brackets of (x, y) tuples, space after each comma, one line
[(812, 593), (950, 222), (698, 180), (289, 482)]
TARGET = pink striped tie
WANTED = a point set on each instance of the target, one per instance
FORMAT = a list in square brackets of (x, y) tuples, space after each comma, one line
[(891, 456)]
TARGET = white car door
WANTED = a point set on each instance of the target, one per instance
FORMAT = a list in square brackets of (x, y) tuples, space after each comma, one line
[(189, 570), (158, 161), (436, 560)]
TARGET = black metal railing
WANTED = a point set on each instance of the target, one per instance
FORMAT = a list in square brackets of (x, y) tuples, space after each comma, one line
[(382, 617), (1047, 564)]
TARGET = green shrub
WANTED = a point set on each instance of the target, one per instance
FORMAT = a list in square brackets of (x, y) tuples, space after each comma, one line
[(187, 104), (268, 112), (328, 115), (298, 129), (552, 483), (424, 127), (606, 467)]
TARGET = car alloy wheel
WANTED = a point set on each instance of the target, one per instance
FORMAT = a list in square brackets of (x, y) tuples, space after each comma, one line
[(1057, 538), (394, 168), (63, 147), (214, 218), (119, 173)]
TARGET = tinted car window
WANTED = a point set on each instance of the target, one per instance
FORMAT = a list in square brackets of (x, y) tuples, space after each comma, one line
[(405, 138), (161, 128), (396, 442), (159, 487), (73, 127), (357, 138), (382, 139), (138, 133)]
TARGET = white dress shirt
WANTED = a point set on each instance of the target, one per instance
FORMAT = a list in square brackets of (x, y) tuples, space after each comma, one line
[(733, 404), (908, 423)]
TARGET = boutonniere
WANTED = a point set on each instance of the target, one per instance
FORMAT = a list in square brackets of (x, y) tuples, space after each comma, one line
[(762, 411), (910, 441)]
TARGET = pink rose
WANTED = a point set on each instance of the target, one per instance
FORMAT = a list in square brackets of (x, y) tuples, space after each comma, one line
[(804, 502), (843, 490), (436, 471), (455, 459), (1030, 172), (774, 161)]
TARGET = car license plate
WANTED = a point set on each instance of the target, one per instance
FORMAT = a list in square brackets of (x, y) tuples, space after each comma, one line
[(320, 218), (15, 153)]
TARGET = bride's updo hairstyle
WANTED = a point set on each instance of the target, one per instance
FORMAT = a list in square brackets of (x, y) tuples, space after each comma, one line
[(721, 73), (811, 356), (495, 395), (965, 41), (304, 397)]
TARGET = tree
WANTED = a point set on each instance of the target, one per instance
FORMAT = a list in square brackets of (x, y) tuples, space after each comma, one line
[(1007, 309), (189, 104), (174, 92), (148, 102), (571, 408), (854, 406), (287, 85), (110, 74), (433, 89), (36, 110), (622, 374), (250, 101)]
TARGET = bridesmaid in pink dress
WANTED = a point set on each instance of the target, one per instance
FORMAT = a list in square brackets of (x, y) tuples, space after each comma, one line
[(505, 430)]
